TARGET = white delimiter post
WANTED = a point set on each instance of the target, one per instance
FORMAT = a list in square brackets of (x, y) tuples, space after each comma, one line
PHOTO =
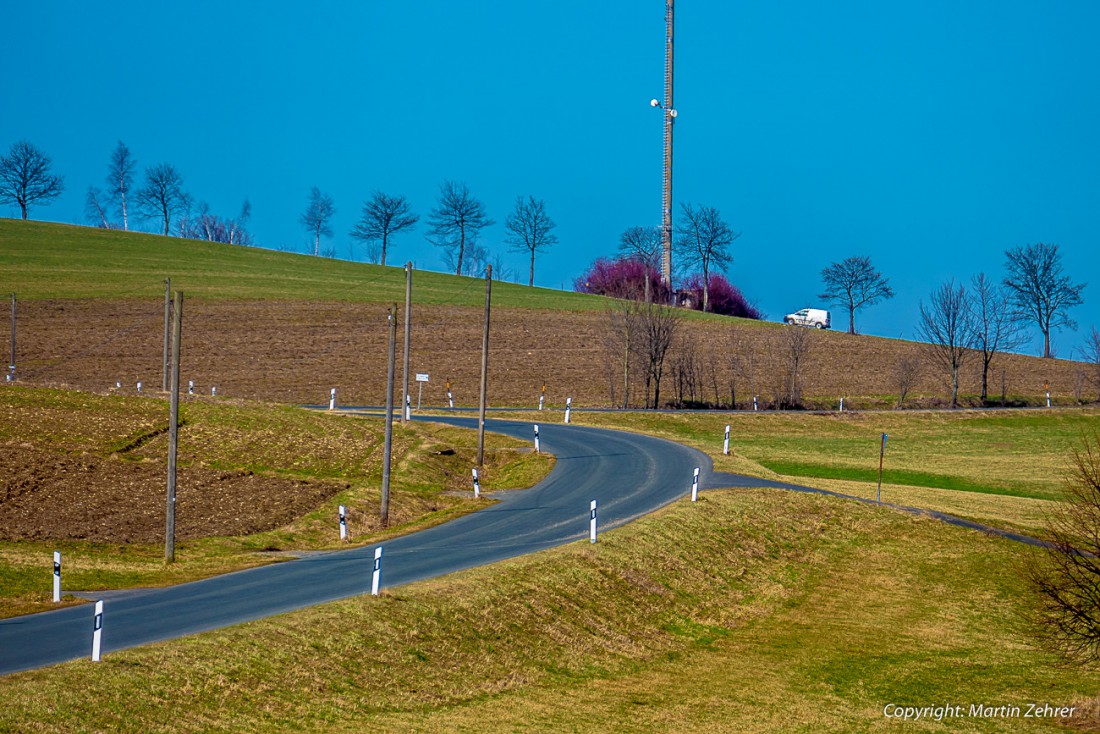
[(332, 399), (695, 486), (755, 406), (56, 576), (537, 451), (343, 523), (568, 408), (726, 443), (377, 571), (97, 632), (477, 485), (592, 523)]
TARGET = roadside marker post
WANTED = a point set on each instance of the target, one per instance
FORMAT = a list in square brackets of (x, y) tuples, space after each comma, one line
[(542, 396), (881, 454), (213, 391), (139, 386), (842, 405), (56, 576), (754, 404), (537, 448), (568, 408), (450, 397), (190, 387), (695, 486), (592, 522), (726, 443), (477, 485), (377, 577), (1047, 388), (343, 523), (332, 399), (408, 407), (97, 632)]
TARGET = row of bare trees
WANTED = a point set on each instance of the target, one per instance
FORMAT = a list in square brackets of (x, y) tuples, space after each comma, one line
[(454, 225), (991, 318), (161, 198), (646, 348)]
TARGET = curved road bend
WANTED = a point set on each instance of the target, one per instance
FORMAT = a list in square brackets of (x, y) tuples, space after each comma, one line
[(628, 474)]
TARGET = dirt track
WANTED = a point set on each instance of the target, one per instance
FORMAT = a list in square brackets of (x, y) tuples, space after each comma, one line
[(296, 351)]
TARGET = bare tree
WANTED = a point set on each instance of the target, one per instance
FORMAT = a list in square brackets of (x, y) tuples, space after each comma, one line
[(530, 227), (457, 218), (25, 177), (906, 374), (1040, 292), (994, 328), (1090, 352), (120, 179), (947, 325), (162, 197), (384, 216), (704, 239), (95, 209), (644, 245), (1066, 572), (473, 264), (658, 329), (854, 283), (317, 218), (622, 340), (795, 346)]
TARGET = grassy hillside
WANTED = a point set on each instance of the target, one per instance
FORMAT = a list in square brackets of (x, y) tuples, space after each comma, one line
[(40, 260), (752, 611)]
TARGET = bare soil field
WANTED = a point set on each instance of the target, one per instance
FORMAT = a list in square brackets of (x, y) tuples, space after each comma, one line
[(297, 351), (49, 496)]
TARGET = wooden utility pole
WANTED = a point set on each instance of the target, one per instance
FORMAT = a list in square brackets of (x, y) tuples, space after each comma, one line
[(484, 369), (408, 321), (167, 328), (11, 364), (387, 450), (173, 432)]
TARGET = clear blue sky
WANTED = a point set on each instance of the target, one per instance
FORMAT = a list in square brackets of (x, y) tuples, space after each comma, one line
[(928, 135)]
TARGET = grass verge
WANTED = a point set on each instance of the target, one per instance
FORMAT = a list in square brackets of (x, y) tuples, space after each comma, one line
[(750, 611)]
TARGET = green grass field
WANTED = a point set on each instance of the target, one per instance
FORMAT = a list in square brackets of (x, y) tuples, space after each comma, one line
[(41, 260)]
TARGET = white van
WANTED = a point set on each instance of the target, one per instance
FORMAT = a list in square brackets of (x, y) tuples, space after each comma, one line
[(816, 317)]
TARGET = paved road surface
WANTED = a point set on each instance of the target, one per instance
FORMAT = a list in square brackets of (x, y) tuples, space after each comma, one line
[(629, 475)]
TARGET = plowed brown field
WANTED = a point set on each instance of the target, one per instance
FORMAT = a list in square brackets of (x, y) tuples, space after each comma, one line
[(297, 351)]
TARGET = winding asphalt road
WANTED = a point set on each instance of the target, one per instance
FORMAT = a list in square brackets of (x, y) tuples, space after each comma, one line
[(628, 475)]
